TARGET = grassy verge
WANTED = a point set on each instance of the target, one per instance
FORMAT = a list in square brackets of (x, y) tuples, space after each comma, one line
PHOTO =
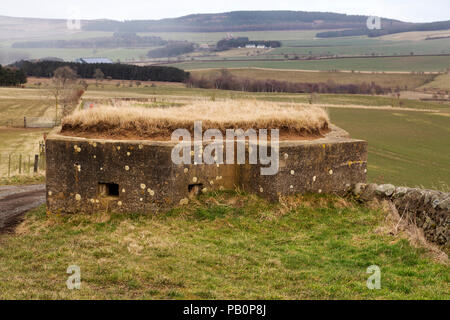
[(224, 246), (22, 180)]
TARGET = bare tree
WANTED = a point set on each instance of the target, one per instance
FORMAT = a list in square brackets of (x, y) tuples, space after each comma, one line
[(99, 76), (65, 91)]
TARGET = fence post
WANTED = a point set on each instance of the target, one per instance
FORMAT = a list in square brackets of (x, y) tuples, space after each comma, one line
[(24, 122), (9, 165), (36, 162), (43, 161), (20, 164)]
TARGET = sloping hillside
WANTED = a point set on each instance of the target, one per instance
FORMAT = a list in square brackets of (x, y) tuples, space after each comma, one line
[(388, 28), (16, 28), (238, 21)]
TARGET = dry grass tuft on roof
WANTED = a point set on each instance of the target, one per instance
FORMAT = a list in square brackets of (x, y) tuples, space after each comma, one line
[(128, 121)]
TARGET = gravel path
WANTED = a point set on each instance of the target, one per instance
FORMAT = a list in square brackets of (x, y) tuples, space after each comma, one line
[(15, 201)]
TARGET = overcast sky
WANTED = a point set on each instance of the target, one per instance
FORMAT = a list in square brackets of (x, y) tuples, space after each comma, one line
[(406, 10)]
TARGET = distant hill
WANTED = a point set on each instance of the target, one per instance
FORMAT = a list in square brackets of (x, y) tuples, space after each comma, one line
[(387, 29), (15, 28), (26, 28), (239, 21)]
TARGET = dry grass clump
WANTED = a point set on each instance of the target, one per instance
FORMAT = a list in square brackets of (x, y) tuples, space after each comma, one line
[(128, 121), (399, 225)]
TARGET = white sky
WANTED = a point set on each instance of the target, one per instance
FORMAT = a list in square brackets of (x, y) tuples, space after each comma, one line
[(406, 10)]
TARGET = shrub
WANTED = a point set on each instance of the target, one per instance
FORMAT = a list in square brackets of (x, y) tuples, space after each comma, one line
[(12, 77)]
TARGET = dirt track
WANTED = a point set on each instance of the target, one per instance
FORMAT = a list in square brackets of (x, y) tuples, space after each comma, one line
[(17, 200)]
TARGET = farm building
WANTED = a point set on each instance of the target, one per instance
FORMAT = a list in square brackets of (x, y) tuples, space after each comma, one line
[(127, 164), (94, 60)]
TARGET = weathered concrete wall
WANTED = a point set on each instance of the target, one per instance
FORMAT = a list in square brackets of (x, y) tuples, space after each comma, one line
[(427, 209), (329, 166), (148, 181)]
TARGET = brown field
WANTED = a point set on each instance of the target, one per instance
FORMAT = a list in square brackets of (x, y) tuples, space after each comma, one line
[(17, 103), (16, 144), (441, 82), (33, 82), (415, 36), (402, 80)]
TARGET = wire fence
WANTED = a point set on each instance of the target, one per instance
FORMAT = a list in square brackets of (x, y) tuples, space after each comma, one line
[(22, 164), (29, 122)]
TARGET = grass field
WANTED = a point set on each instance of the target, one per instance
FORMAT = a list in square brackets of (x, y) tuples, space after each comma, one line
[(416, 35), (24, 103), (122, 54), (179, 92), (404, 64), (441, 82), (362, 46), (214, 37), (15, 104), (295, 42), (18, 146), (224, 246), (405, 148), (15, 140), (386, 80)]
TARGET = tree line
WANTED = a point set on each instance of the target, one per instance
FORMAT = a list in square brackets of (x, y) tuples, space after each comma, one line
[(118, 40), (172, 49), (226, 44), (10, 77), (226, 81), (117, 71)]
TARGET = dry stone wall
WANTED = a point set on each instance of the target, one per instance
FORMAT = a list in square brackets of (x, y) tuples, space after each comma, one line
[(427, 209)]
